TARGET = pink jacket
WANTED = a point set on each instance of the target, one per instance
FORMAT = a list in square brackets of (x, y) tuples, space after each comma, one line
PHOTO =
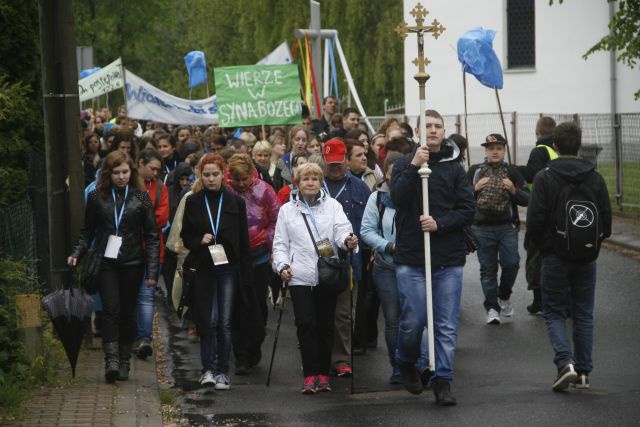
[(262, 210)]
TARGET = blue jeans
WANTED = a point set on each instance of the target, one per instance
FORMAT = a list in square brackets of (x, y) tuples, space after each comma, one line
[(384, 280), (215, 346), (497, 245), (569, 284), (146, 303), (447, 291)]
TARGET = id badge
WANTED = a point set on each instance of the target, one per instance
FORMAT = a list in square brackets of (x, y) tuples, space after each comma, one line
[(218, 255), (324, 248), (113, 247)]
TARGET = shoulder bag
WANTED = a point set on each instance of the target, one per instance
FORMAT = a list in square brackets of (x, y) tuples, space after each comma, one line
[(329, 269)]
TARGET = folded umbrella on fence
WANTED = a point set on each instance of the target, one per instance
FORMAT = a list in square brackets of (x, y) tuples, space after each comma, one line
[(70, 312)]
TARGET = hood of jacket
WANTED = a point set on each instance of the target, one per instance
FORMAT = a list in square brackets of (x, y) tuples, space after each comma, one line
[(571, 169), (449, 151), (545, 140)]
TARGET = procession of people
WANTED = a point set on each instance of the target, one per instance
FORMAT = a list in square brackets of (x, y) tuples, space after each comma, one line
[(330, 216)]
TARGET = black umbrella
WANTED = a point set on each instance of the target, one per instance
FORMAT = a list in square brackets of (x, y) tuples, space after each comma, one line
[(70, 312)]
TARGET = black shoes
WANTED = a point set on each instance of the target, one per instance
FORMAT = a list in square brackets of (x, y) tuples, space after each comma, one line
[(566, 376), (125, 365), (144, 349), (410, 378), (425, 377), (442, 392), (111, 361)]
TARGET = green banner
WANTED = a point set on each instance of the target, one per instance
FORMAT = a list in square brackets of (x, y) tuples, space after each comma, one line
[(253, 95)]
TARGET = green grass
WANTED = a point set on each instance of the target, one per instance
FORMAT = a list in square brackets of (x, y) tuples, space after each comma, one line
[(630, 184), (167, 397)]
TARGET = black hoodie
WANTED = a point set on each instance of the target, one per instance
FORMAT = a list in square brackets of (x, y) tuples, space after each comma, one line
[(546, 188)]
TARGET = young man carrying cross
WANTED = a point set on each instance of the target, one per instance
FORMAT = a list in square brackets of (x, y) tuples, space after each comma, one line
[(451, 208)]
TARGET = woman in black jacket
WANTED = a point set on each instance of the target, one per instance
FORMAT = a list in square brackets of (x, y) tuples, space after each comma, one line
[(119, 216), (214, 229)]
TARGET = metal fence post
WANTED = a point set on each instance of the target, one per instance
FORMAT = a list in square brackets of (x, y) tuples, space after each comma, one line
[(617, 140), (458, 125), (514, 136)]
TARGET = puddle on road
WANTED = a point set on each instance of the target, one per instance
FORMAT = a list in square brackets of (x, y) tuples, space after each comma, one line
[(233, 420)]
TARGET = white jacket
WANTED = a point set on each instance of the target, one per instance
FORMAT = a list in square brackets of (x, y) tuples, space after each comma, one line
[(292, 244)]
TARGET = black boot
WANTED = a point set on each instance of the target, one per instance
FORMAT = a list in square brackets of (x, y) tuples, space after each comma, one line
[(536, 306), (442, 392), (111, 360), (125, 356)]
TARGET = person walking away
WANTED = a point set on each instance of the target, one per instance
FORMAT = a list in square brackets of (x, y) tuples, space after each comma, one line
[(119, 215), (568, 218), (499, 189), (215, 231), (149, 167), (295, 258), (451, 208), (539, 157), (262, 212), (352, 194)]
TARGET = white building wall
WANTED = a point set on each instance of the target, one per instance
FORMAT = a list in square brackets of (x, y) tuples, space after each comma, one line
[(562, 81)]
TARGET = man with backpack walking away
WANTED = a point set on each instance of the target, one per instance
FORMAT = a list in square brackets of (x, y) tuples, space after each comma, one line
[(569, 215)]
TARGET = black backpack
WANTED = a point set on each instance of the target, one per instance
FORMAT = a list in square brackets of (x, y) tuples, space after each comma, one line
[(577, 231)]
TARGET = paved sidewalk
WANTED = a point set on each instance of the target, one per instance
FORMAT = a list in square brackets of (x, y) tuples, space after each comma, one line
[(89, 401)]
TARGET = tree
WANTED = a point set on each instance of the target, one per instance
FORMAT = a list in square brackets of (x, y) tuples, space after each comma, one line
[(624, 35), (152, 37)]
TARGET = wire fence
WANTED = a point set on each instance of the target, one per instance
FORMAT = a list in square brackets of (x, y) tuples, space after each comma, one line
[(611, 143)]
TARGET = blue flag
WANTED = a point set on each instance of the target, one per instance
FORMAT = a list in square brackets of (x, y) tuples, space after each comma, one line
[(88, 72), (475, 53), (196, 67)]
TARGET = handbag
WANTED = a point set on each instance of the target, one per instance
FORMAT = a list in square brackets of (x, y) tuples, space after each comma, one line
[(89, 270), (329, 269)]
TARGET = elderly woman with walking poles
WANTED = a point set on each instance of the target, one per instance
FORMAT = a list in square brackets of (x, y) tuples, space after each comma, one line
[(310, 226), (120, 217)]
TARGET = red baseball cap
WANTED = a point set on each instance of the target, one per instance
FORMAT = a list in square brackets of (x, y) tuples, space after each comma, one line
[(334, 151)]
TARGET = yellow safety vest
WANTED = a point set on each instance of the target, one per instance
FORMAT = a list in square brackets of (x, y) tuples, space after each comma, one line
[(552, 156)]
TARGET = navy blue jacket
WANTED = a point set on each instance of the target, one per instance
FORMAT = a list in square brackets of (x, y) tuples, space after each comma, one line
[(353, 200), (451, 204)]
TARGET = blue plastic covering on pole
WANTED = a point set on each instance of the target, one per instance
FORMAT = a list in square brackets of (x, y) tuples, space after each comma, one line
[(196, 68), (89, 71), (475, 53)]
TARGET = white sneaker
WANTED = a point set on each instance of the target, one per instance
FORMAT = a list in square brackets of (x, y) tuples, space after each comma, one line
[(493, 317), (222, 382), (506, 307), (207, 379)]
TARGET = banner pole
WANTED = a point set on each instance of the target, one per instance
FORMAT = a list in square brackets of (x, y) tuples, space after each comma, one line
[(466, 129), (504, 128)]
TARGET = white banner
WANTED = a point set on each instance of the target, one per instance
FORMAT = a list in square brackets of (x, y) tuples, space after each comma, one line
[(147, 102), (106, 80)]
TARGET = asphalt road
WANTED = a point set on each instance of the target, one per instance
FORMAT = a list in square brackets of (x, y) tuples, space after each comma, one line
[(503, 373)]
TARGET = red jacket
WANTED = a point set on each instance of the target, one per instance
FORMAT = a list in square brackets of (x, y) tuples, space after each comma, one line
[(161, 209)]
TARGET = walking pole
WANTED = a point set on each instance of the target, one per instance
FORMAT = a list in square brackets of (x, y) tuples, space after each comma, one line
[(351, 314), (504, 128), (275, 338), (436, 28)]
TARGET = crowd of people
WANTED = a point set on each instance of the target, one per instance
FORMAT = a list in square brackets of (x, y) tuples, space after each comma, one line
[(330, 215)]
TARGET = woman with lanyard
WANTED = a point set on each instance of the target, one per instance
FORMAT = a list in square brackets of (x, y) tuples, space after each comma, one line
[(297, 143), (119, 215), (262, 213), (295, 259), (214, 229), (149, 167), (167, 148)]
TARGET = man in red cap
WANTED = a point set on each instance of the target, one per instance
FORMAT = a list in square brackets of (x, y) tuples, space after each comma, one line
[(352, 194)]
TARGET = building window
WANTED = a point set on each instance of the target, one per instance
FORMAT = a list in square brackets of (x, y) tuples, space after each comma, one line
[(521, 34)]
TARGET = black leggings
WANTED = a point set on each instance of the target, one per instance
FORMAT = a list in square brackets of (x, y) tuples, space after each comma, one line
[(118, 287)]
